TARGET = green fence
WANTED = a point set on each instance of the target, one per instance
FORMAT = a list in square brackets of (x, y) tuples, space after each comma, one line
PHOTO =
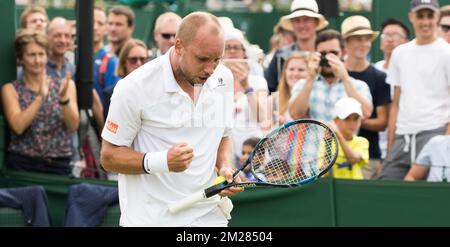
[(328, 202)]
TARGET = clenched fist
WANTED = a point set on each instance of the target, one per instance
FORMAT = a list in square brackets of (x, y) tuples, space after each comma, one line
[(179, 157)]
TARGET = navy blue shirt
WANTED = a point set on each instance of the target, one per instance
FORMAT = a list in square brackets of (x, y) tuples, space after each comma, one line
[(381, 95)]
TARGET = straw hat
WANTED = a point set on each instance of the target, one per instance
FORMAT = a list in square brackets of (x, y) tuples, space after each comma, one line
[(357, 25), (445, 8), (283, 26), (305, 8)]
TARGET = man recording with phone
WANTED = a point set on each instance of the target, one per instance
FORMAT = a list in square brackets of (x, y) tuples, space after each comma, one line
[(327, 82)]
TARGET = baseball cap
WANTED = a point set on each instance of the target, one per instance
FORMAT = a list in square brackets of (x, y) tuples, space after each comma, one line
[(424, 4), (346, 106)]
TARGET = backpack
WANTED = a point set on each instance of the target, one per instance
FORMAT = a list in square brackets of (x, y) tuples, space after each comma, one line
[(103, 68)]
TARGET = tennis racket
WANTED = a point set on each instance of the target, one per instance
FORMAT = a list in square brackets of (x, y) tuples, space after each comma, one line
[(296, 153)]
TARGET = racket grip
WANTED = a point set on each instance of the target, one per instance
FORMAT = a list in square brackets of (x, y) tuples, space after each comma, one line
[(186, 202)]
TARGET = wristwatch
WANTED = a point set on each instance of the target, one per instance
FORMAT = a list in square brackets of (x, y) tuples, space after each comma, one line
[(249, 90)]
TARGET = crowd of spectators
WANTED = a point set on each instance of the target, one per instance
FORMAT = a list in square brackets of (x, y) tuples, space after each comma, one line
[(391, 116)]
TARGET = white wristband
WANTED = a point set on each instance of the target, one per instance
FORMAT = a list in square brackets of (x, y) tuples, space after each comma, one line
[(156, 162)]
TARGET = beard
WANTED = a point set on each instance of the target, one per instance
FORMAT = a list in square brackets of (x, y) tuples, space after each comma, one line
[(327, 73), (185, 76)]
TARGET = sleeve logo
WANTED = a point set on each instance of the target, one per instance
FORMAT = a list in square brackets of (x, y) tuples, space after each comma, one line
[(111, 126)]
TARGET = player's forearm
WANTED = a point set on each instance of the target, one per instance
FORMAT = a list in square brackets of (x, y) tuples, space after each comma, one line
[(121, 159), (224, 153)]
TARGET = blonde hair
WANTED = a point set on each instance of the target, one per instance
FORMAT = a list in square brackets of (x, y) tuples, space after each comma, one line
[(130, 44), (284, 92), (30, 10), (166, 17), (28, 36)]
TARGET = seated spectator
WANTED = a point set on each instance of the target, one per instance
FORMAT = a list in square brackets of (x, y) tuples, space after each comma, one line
[(433, 162), (41, 111), (353, 150)]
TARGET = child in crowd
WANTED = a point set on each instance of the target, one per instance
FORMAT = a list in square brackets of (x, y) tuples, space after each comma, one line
[(247, 148), (353, 150)]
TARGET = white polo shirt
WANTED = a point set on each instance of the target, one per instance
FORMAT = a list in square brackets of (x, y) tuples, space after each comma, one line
[(149, 112)]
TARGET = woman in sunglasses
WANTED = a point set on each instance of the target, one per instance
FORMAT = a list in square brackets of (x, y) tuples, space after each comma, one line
[(132, 55)]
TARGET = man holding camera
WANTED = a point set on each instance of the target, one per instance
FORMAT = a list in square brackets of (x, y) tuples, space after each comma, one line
[(328, 81)]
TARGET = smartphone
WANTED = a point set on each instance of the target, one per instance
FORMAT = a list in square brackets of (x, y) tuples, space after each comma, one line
[(229, 61)]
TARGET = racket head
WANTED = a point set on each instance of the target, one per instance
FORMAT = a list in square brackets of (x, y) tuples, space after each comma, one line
[(296, 153)]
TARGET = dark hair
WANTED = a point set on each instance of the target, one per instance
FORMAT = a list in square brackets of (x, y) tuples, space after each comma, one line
[(251, 141), (329, 34), (393, 21), (123, 10)]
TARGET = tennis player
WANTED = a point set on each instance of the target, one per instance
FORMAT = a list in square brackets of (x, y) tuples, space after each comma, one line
[(167, 130)]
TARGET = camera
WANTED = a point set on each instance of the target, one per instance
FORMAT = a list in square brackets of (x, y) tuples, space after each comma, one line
[(324, 61)]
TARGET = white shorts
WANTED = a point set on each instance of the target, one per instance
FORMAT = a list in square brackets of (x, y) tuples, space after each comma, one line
[(218, 217), (214, 218)]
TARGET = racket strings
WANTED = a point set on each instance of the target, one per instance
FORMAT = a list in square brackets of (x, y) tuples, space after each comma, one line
[(294, 154)]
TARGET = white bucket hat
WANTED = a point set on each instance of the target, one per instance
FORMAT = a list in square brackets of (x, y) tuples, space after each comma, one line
[(306, 8), (357, 25)]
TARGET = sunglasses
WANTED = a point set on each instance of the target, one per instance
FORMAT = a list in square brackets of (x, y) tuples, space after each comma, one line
[(445, 28), (134, 60), (167, 35)]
